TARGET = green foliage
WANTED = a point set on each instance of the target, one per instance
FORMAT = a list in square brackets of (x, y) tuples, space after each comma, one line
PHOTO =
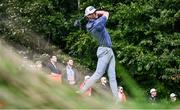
[(82, 46), (145, 34), (147, 41), (24, 87)]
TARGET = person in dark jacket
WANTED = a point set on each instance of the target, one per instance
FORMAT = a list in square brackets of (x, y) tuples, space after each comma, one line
[(55, 71)]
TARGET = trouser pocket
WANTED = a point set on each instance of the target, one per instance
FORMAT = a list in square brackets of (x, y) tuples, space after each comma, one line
[(102, 51)]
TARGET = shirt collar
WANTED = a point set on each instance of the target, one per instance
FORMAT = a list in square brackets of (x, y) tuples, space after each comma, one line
[(90, 20)]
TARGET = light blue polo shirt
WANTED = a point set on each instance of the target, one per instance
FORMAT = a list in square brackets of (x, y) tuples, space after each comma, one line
[(97, 28)]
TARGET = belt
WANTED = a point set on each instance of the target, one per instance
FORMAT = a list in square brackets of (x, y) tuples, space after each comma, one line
[(104, 46)]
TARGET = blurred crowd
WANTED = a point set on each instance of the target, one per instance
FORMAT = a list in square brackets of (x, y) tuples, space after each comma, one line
[(70, 77)]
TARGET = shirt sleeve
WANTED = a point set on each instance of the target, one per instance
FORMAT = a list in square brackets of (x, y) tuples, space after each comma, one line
[(100, 23), (68, 73), (102, 20), (97, 25)]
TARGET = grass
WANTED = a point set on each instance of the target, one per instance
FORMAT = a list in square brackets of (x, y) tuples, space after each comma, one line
[(27, 88)]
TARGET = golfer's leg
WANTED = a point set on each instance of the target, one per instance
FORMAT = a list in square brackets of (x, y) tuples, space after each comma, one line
[(112, 77), (100, 70)]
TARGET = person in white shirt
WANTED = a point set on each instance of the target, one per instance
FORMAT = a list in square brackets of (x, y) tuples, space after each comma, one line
[(173, 97), (70, 73)]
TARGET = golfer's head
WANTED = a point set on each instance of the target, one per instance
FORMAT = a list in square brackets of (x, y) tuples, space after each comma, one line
[(90, 12)]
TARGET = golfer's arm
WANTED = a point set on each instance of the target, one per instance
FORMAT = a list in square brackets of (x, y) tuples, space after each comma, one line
[(103, 13)]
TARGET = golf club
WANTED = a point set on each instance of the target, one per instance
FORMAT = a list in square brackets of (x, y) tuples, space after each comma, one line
[(77, 22)]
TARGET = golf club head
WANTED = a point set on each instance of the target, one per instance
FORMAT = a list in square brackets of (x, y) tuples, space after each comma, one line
[(77, 23)]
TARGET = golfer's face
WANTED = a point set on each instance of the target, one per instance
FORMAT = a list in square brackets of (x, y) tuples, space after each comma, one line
[(92, 16)]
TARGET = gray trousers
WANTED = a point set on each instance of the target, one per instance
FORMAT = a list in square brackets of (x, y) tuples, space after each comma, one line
[(106, 61)]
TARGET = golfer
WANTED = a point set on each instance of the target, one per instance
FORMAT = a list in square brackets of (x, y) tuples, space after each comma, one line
[(106, 60)]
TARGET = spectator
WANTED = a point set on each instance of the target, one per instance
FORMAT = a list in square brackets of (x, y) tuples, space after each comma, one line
[(38, 65), (104, 84), (122, 96), (25, 63), (70, 73), (103, 89), (173, 97), (55, 72), (153, 95), (89, 91)]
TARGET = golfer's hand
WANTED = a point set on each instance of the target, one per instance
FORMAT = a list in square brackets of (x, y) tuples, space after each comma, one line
[(102, 13), (99, 14)]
